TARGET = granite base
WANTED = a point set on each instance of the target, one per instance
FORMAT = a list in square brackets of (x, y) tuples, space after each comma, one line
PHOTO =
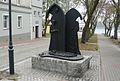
[(70, 68)]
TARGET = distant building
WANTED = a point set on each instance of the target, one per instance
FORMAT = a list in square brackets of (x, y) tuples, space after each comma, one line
[(36, 18), (26, 19)]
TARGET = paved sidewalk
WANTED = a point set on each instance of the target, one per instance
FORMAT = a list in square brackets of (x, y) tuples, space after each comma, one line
[(110, 60), (23, 50), (26, 73), (18, 43), (106, 62)]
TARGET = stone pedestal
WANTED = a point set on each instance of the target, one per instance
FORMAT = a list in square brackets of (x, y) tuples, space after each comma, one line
[(70, 68)]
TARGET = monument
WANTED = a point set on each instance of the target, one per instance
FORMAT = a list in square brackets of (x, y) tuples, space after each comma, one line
[(57, 29), (63, 55), (72, 27), (64, 39)]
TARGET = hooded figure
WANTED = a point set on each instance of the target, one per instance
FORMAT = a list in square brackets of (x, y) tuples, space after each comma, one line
[(72, 27), (57, 29)]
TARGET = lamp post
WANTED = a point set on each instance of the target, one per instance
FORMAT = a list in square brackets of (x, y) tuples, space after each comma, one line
[(10, 50)]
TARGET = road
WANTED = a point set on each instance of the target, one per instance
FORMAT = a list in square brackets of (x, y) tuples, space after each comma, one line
[(23, 51)]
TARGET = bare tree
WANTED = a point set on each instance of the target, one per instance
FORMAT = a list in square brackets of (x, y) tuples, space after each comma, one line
[(64, 4), (93, 9), (46, 4), (108, 18), (116, 4)]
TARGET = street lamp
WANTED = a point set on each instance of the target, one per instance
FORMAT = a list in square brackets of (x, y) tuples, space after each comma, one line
[(10, 50)]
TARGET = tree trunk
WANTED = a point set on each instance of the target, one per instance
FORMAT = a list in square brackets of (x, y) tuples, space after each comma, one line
[(45, 29), (117, 20), (83, 40), (104, 23), (105, 30), (109, 33), (116, 24), (108, 30), (115, 32), (110, 27), (85, 29)]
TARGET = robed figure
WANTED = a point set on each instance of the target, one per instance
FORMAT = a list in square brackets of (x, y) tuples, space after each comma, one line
[(57, 29), (72, 27)]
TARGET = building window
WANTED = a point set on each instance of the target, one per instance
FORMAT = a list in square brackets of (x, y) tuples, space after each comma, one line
[(38, 13), (19, 21), (4, 0), (33, 28), (34, 13), (18, 2), (5, 21)]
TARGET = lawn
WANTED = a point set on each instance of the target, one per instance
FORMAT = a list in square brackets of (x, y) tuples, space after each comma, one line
[(117, 42), (47, 35), (91, 45)]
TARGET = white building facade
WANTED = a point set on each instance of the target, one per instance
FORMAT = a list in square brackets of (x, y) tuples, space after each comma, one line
[(22, 20), (36, 18)]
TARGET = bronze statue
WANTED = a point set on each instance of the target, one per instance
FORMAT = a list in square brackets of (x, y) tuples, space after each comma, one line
[(72, 27), (57, 29), (64, 38)]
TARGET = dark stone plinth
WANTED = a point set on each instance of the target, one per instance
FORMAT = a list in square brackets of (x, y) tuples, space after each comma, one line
[(62, 55), (65, 67)]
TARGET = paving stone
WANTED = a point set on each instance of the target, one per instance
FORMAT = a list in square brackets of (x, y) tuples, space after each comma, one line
[(6, 80), (26, 73), (108, 71), (110, 60)]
